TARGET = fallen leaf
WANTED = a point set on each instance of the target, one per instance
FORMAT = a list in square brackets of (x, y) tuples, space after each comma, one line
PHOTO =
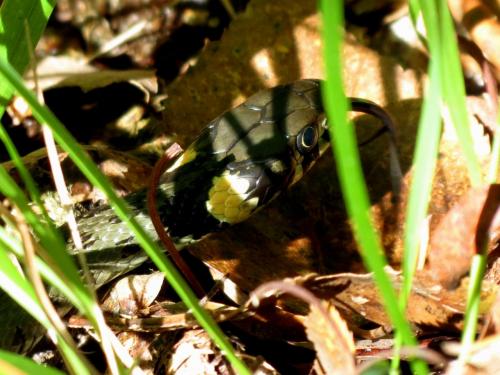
[(482, 359), (473, 223), (482, 24), (133, 293), (333, 357), (430, 305), (195, 353)]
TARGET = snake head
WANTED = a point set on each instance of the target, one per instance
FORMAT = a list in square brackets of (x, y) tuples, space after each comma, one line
[(247, 156)]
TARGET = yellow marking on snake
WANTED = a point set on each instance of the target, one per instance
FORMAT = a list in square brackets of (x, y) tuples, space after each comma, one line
[(186, 157), (228, 199)]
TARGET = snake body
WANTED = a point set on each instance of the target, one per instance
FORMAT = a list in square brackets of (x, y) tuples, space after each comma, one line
[(240, 162)]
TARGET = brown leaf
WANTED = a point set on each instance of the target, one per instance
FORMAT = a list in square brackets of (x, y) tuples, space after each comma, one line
[(482, 24), (333, 357), (357, 299), (196, 353), (472, 223), (483, 359), (133, 293)]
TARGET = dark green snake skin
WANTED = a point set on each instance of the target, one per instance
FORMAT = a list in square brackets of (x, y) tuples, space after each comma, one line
[(256, 141), (240, 162)]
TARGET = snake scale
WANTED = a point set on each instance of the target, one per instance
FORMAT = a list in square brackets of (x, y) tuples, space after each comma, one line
[(241, 161)]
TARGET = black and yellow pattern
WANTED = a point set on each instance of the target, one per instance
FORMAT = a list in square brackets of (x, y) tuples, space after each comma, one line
[(242, 160)]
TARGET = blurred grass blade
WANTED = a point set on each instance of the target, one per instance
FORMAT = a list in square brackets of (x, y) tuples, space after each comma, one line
[(454, 90), (14, 47), (19, 289), (22, 365), (351, 178), (426, 150), (80, 158), (425, 154), (469, 331), (15, 50), (446, 88)]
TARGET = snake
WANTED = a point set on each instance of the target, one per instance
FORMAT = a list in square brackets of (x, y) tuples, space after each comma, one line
[(240, 162)]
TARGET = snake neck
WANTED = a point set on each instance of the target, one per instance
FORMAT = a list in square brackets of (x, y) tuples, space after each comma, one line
[(181, 203)]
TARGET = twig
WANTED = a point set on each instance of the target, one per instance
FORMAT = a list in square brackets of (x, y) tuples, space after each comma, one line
[(58, 176), (122, 38)]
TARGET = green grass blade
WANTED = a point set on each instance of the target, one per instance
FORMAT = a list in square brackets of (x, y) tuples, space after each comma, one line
[(477, 270), (15, 49), (80, 295), (54, 278), (351, 178), (23, 365), (447, 87), (21, 291), (67, 142), (454, 90), (426, 150)]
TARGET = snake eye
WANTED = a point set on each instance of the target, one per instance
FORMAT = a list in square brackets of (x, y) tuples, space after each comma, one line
[(307, 139)]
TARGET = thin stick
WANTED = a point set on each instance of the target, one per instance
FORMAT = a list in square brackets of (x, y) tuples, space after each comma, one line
[(67, 205)]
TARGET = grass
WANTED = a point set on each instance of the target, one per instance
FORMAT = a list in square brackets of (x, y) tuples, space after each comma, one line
[(13, 60), (446, 91), (354, 190)]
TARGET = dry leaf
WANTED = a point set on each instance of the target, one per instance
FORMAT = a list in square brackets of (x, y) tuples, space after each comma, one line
[(472, 223), (133, 293), (483, 359), (195, 353), (482, 24), (329, 340), (140, 347), (430, 305)]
